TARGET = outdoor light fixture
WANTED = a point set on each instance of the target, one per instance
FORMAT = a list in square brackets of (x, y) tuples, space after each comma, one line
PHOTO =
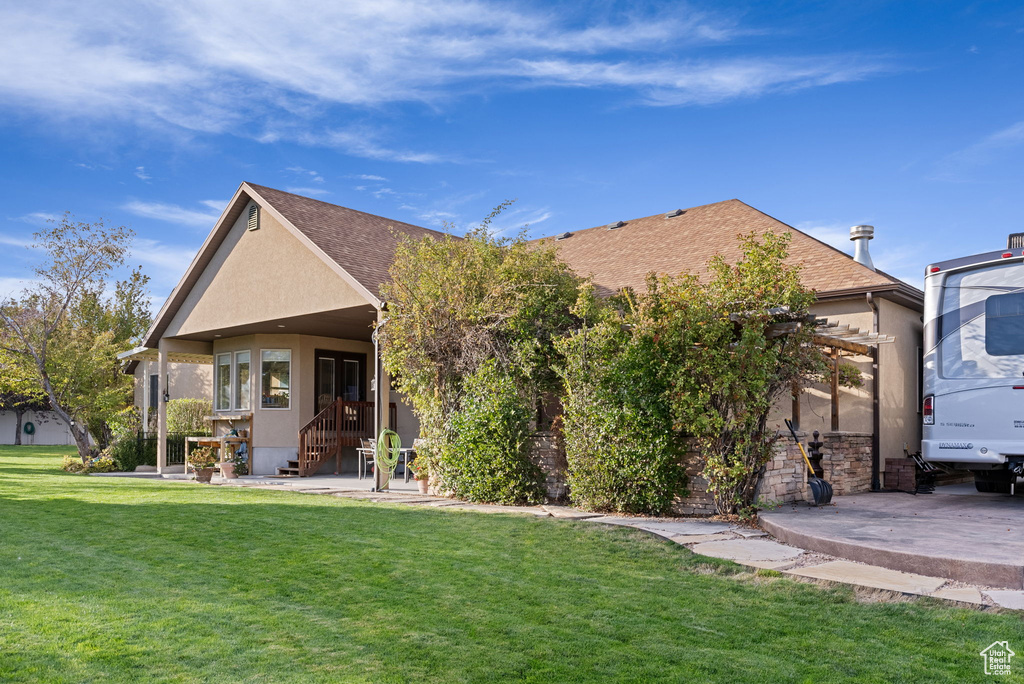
[(167, 395)]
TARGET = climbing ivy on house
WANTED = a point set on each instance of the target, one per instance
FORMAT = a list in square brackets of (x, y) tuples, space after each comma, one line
[(454, 306), (690, 363), (625, 451)]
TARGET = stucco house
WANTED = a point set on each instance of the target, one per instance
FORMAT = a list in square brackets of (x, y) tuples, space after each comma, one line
[(282, 298)]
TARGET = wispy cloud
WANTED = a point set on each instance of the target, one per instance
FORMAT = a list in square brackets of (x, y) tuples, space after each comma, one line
[(957, 166), (831, 233), (14, 241), (370, 177), (187, 65), (310, 192), (37, 218), (12, 286), (170, 261), (140, 173), (172, 213)]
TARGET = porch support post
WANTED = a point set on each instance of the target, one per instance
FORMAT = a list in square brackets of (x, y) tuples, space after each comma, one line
[(161, 408), (381, 395), (835, 389)]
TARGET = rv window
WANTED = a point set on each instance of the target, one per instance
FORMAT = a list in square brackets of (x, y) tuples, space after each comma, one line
[(1004, 324)]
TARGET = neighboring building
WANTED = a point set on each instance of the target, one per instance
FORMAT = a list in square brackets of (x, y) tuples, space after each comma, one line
[(38, 428), (282, 299), (621, 254)]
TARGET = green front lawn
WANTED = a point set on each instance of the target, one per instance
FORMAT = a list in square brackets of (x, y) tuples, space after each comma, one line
[(122, 580)]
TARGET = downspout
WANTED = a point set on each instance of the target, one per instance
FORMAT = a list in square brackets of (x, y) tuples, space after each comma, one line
[(876, 419)]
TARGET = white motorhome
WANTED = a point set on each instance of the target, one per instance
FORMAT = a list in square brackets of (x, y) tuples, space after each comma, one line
[(973, 411)]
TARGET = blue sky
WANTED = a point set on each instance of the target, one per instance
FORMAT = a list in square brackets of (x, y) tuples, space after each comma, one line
[(905, 115)]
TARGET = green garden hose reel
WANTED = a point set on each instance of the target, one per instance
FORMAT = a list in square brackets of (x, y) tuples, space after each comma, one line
[(389, 451)]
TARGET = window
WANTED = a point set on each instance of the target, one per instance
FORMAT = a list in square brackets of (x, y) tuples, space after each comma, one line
[(275, 375), (222, 383), (353, 374), (242, 380), (1004, 324), (154, 391)]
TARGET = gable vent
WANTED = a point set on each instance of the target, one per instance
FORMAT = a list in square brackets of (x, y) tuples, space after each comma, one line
[(1015, 241), (564, 235), (254, 217), (674, 213), (617, 224)]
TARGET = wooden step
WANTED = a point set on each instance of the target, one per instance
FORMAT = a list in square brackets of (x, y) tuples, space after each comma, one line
[(288, 471)]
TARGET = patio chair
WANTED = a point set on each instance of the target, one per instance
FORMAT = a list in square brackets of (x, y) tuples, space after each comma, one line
[(366, 452)]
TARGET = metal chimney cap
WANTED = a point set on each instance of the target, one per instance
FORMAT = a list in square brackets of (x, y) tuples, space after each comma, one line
[(865, 232)]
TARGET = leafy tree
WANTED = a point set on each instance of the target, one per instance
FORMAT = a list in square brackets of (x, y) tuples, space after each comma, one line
[(64, 332), (455, 304), (742, 344)]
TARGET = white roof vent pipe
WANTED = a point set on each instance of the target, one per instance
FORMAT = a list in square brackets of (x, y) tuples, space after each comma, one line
[(860, 236)]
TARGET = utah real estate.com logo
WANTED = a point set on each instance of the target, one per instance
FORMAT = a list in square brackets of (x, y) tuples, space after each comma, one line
[(997, 658)]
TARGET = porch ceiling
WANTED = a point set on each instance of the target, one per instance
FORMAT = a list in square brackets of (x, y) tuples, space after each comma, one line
[(353, 323)]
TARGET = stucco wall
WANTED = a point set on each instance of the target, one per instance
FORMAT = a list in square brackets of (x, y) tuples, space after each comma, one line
[(900, 421), (289, 279), (185, 381), (900, 402), (275, 431)]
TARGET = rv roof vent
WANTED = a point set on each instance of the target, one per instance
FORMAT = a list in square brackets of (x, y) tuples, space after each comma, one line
[(564, 235), (254, 217), (1015, 241), (617, 224), (674, 213)]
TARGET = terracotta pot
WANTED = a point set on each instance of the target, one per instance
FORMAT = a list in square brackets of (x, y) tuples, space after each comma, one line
[(228, 471), (204, 475), (423, 484)]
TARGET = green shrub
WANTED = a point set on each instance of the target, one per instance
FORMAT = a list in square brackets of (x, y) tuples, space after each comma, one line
[(73, 464), (189, 416), (102, 464), (127, 451), (487, 458), (624, 453)]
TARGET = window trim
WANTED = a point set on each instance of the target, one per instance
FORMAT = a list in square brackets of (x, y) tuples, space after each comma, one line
[(291, 391), (216, 381), (234, 380)]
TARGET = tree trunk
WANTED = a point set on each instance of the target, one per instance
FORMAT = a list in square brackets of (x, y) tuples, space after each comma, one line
[(18, 412)]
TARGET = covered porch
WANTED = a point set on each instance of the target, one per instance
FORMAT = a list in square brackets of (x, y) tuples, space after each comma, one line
[(303, 390)]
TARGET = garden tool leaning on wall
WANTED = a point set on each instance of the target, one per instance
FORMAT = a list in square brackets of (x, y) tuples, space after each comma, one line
[(821, 490)]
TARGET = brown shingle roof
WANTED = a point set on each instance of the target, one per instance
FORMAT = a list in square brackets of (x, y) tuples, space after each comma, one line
[(362, 244), (623, 257)]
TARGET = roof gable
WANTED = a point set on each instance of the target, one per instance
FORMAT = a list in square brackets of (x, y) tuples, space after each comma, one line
[(357, 246), (623, 256)]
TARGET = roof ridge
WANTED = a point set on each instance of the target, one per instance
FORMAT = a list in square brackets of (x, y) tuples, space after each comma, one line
[(306, 198), (636, 218)]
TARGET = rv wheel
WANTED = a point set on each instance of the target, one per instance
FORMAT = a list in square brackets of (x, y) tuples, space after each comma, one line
[(992, 481)]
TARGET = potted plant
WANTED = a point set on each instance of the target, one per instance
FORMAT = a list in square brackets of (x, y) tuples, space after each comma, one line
[(202, 461), (420, 472), (237, 465)]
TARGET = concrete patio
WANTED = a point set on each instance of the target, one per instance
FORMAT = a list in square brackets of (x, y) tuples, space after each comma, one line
[(956, 533)]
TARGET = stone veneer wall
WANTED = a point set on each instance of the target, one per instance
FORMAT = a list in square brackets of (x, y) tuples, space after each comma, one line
[(547, 452), (846, 463)]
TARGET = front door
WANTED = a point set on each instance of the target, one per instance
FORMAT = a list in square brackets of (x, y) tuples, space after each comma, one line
[(339, 375)]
